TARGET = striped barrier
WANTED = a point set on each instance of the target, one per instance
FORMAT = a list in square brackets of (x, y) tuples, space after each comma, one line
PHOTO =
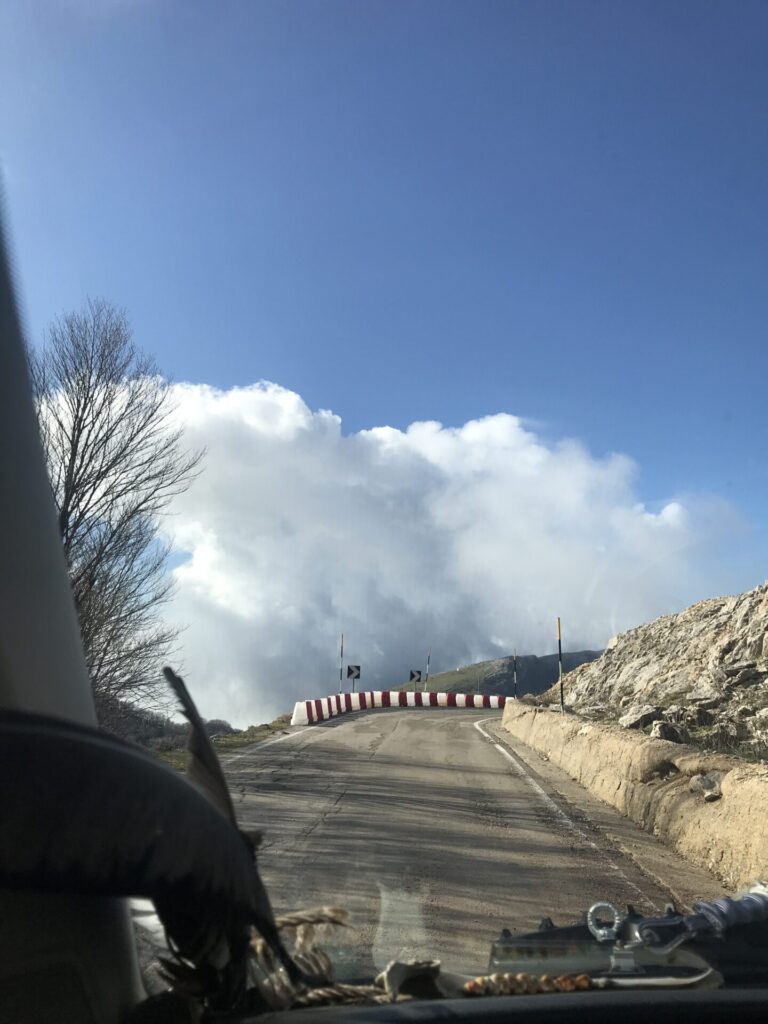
[(306, 712)]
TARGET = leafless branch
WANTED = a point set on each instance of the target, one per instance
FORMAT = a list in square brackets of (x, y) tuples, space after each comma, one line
[(115, 461)]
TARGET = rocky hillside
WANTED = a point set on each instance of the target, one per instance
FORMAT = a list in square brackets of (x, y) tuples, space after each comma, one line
[(699, 676), (535, 674)]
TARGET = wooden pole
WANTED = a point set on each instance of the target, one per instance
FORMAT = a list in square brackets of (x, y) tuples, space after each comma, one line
[(560, 663), (341, 663)]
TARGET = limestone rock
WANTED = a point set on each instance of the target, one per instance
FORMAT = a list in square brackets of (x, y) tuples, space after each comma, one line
[(639, 716), (661, 730), (706, 691), (738, 669), (746, 675), (707, 785), (700, 715), (724, 733), (745, 711)]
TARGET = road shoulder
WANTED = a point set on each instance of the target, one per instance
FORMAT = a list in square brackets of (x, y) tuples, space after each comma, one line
[(685, 882)]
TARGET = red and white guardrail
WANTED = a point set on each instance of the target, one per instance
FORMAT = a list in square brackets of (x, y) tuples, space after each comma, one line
[(306, 712)]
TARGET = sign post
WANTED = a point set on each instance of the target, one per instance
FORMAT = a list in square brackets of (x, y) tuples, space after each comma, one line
[(426, 677), (560, 664), (353, 673), (415, 677)]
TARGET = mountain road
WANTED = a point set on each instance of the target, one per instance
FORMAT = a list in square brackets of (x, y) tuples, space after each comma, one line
[(435, 830)]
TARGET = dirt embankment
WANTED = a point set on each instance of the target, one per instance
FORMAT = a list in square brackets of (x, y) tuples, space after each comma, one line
[(710, 808)]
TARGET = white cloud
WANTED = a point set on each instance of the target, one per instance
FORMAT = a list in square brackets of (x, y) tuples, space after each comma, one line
[(469, 540)]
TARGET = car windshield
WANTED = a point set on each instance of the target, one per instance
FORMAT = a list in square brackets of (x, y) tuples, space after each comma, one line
[(398, 373)]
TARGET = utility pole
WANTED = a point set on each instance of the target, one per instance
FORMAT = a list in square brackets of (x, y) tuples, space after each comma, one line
[(514, 673), (560, 664), (341, 663)]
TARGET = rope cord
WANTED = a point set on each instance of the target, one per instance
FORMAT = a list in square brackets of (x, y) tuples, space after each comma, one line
[(751, 908)]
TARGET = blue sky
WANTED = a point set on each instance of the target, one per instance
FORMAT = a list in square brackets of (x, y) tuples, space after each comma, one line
[(422, 210)]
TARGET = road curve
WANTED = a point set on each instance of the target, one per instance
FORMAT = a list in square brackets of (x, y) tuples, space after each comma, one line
[(427, 831)]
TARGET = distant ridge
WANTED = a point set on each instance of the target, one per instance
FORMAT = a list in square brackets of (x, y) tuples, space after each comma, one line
[(535, 674)]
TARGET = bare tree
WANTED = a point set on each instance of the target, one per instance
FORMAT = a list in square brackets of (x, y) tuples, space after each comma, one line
[(115, 461)]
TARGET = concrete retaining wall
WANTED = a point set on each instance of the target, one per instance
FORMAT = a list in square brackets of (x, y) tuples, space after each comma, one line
[(648, 780), (308, 711)]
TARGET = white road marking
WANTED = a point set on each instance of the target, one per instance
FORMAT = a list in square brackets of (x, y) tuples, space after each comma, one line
[(288, 735), (226, 757), (547, 800), (561, 816)]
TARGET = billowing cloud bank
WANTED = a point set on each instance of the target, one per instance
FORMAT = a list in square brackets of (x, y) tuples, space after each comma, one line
[(469, 541)]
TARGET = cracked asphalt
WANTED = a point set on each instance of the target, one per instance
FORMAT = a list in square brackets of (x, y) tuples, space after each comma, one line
[(431, 837)]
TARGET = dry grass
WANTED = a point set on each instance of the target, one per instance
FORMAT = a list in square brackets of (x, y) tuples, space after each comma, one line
[(223, 744)]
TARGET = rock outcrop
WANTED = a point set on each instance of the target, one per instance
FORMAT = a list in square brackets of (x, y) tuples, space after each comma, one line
[(703, 671)]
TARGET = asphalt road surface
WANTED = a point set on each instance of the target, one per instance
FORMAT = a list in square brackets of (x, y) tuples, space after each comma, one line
[(431, 835)]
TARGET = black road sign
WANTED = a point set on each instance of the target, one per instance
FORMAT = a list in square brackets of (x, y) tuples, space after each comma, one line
[(415, 676), (353, 671)]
